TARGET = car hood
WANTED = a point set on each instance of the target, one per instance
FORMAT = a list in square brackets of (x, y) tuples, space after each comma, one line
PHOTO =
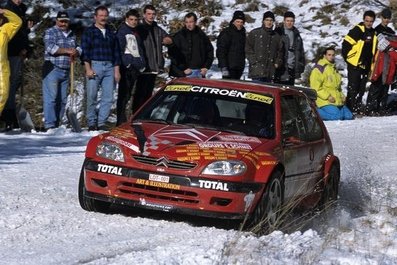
[(182, 142)]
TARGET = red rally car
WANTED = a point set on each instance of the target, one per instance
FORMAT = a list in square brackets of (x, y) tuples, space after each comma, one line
[(216, 148)]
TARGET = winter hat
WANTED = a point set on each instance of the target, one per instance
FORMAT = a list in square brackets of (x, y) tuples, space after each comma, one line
[(268, 14), (238, 15), (62, 15), (289, 14), (386, 13)]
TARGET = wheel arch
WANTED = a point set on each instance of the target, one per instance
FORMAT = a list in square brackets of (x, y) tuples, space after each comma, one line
[(330, 161)]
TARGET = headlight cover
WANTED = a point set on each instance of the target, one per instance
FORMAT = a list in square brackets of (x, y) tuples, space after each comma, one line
[(110, 151), (225, 168)]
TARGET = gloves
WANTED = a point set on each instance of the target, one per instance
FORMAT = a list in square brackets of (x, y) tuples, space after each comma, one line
[(225, 72)]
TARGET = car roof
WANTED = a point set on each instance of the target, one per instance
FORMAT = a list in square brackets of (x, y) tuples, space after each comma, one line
[(241, 85)]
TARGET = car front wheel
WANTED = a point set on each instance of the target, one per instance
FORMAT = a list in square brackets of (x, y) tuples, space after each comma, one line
[(90, 204), (268, 213)]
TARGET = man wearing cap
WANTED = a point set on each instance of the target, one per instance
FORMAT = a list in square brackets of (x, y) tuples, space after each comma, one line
[(231, 47), (264, 50), (358, 48), (294, 53), (101, 57), (60, 47), (378, 91)]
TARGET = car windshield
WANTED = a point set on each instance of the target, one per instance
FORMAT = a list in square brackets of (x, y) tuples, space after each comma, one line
[(229, 110)]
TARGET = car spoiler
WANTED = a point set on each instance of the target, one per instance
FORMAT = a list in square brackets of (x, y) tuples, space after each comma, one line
[(309, 92)]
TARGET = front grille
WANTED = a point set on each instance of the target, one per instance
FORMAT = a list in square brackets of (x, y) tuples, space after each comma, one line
[(164, 162), (165, 194)]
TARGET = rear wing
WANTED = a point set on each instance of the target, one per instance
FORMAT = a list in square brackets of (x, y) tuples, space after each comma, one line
[(309, 92)]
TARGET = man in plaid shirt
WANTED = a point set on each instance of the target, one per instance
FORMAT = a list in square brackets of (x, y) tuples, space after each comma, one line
[(59, 47), (101, 57)]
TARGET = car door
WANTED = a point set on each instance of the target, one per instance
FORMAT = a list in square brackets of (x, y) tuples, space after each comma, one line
[(300, 147)]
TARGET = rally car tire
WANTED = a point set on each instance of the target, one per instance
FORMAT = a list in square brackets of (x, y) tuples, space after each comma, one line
[(331, 189), (267, 214), (90, 204)]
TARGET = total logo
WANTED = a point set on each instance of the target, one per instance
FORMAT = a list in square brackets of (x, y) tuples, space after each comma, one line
[(214, 185), (110, 169)]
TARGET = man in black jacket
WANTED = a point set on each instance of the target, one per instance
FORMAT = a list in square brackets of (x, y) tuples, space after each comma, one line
[(154, 38), (231, 47), (191, 53), (18, 49), (294, 53)]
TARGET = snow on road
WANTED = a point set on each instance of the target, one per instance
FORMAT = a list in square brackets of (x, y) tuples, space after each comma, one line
[(41, 221)]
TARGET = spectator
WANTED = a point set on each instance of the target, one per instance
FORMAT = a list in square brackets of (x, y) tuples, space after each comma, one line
[(264, 50), (60, 47), (153, 38), (231, 47), (191, 52), (358, 48), (383, 27), (378, 91), (132, 61), (18, 49), (326, 80), (9, 26), (294, 53), (101, 57)]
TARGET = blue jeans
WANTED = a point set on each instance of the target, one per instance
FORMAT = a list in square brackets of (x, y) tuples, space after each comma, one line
[(55, 93), (196, 73), (332, 113), (103, 79)]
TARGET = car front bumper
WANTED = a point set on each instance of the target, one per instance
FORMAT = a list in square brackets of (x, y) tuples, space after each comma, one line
[(170, 193)]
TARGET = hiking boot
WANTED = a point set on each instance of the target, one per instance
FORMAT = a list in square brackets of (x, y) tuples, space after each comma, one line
[(92, 128)]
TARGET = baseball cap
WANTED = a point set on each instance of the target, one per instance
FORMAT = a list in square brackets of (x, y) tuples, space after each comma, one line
[(62, 15)]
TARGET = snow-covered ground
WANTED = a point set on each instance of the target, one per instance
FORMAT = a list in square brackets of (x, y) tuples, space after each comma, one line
[(41, 221)]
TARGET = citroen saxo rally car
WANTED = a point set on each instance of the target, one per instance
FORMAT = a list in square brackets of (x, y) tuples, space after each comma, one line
[(216, 148)]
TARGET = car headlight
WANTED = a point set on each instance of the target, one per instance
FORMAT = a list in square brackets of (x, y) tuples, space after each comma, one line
[(225, 168), (110, 151)]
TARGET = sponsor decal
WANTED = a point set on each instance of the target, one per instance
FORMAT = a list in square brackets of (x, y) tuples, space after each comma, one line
[(122, 133), (226, 145), (110, 169), (124, 143), (239, 138), (258, 97), (182, 88), (232, 93), (213, 185), (159, 178), (158, 184), (165, 208), (264, 163)]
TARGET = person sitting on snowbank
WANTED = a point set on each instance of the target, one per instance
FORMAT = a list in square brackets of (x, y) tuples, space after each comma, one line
[(326, 80)]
